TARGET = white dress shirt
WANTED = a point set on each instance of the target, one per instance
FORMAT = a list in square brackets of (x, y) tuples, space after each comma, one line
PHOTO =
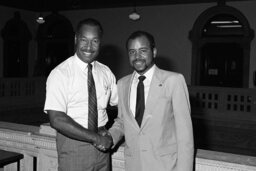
[(67, 90), (146, 82)]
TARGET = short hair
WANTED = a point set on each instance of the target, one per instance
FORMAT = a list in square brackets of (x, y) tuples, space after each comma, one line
[(91, 22), (140, 33)]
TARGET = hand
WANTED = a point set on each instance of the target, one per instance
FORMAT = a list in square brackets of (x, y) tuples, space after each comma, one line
[(104, 132), (103, 143)]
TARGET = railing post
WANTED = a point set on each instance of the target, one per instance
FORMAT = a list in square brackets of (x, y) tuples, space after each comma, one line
[(27, 163)]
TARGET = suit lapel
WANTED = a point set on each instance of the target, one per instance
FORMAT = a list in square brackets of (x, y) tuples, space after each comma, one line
[(127, 89), (156, 87)]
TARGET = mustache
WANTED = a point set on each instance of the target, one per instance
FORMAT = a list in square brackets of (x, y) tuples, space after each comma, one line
[(138, 60), (86, 50)]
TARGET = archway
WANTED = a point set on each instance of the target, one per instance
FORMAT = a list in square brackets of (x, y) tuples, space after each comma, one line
[(55, 43), (16, 37), (221, 39)]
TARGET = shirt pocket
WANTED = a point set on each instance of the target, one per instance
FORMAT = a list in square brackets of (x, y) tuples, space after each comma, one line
[(103, 96)]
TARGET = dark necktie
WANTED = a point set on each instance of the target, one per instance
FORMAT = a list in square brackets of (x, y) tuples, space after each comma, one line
[(140, 102), (92, 102)]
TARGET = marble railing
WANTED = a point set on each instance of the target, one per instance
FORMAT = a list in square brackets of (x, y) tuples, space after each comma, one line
[(39, 150)]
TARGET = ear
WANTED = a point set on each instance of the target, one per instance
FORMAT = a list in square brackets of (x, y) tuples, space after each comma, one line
[(154, 52)]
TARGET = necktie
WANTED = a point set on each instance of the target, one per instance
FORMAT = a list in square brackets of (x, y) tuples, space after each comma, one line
[(92, 102), (140, 102)]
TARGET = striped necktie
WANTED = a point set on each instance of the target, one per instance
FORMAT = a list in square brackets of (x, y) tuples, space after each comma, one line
[(92, 102)]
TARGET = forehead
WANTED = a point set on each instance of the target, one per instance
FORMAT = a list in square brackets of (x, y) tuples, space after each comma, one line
[(141, 41), (89, 29)]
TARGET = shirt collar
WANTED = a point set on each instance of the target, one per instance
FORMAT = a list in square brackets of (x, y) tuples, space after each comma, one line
[(82, 65), (148, 74)]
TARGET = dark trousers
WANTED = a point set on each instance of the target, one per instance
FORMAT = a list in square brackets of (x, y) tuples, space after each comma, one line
[(76, 155)]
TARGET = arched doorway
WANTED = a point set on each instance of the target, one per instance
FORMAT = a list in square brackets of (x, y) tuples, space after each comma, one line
[(16, 36), (221, 39), (55, 43)]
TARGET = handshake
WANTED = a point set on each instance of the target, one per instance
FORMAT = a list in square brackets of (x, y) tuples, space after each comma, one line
[(104, 140)]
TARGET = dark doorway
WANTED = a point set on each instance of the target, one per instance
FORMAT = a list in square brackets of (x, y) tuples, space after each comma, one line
[(56, 53), (16, 36), (15, 59), (221, 38), (222, 65), (55, 43)]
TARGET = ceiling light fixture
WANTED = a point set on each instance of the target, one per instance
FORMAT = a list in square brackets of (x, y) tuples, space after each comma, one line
[(40, 19), (134, 15)]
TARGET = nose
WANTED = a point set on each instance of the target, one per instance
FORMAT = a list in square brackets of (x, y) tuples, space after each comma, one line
[(89, 45), (137, 54)]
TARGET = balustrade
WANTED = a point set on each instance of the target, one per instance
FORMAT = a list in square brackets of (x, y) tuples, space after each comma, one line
[(21, 92), (39, 151), (233, 109)]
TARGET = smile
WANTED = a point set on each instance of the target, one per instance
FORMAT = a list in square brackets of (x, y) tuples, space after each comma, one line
[(87, 53), (138, 62)]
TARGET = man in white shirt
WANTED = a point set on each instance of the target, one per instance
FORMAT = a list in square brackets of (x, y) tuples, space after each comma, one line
[(153, 113), (68, 103)]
